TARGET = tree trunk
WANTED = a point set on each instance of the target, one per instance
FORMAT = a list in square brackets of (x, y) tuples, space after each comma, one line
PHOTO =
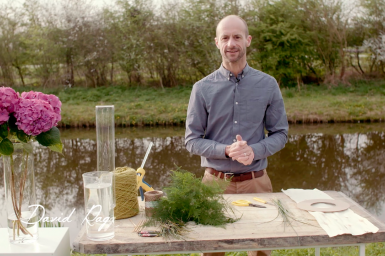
[(20, 74), (358, 61), (343, 66), (70, 80), (112, 72), (7, 75)]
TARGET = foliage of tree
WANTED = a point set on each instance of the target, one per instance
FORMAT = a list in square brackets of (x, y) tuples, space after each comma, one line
[(73, 43)]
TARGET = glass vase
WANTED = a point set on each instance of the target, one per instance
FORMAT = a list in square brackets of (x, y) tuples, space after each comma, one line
[(20, 195), (105, 141)]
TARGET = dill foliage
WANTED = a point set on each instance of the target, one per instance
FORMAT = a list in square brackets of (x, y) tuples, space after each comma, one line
[(188, 199)]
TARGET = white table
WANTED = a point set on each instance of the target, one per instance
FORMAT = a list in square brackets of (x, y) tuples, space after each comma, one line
[(51, 241)]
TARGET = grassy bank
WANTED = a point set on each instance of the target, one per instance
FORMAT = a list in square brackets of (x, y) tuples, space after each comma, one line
[(361, 101)]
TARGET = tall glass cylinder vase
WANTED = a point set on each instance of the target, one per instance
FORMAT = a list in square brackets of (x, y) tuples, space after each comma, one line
[(20, 195), (105, 137)]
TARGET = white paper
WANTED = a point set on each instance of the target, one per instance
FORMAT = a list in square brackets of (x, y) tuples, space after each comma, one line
[(334, 223)]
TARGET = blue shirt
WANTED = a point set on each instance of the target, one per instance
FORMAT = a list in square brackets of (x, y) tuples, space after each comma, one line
[(222, 106)]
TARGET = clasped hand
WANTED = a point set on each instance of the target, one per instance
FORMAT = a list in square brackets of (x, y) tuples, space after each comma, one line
[(240, 151)]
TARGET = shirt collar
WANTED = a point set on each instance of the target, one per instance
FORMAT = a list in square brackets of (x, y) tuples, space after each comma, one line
[(227, 73)]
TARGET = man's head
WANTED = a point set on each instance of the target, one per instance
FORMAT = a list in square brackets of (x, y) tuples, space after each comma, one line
[(232, 39)]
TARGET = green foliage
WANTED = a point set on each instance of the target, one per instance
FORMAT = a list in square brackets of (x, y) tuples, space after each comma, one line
[(284, 49), (135, 43), (6, 147), (188, 199), (51, 139), (3, 130)]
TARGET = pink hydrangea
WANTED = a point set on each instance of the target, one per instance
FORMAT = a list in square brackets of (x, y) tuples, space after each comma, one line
[(35, 116), (4, 116), (50, 98), (9, 102)]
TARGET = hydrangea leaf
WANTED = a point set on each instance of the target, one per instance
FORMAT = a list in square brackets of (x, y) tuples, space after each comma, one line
[(49, 138), (4, 130), (6, 147), (22, 136), (12, 124), (57, 147)]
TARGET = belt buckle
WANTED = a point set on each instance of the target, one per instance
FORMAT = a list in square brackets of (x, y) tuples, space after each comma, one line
[(228, 173)]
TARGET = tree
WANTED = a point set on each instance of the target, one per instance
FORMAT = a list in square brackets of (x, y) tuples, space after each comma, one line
[(128, 29), (283, 46)]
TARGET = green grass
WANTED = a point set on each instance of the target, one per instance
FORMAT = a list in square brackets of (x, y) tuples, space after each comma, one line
[(360, 101), (373, 249)]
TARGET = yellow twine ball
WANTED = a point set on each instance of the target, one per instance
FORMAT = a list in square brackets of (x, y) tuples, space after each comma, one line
[(126, 193)]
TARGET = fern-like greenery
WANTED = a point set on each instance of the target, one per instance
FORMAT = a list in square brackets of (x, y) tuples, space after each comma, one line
[(188, 199)]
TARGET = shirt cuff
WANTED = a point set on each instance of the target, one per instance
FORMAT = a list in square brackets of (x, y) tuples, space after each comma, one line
[(259, 151), (220, 151)]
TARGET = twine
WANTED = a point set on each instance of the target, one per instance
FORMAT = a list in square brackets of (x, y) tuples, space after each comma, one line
[(150, 198), (126, 193)]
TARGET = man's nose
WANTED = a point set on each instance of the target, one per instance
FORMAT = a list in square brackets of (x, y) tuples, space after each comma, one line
[(231, 42)]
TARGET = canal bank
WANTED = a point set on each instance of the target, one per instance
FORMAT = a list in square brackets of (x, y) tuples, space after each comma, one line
[(361, 101)]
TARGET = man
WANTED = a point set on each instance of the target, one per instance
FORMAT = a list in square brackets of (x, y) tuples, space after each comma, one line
[(228, 112)]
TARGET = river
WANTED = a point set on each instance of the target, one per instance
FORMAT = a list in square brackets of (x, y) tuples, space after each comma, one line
[(341, 157)]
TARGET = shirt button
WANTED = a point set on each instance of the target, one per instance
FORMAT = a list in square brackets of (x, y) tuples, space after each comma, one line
[(236, 102), (234, 140), (231, 74), (243, 76), (235, 122)]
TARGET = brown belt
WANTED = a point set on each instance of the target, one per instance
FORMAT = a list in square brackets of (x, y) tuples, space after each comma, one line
[(235, 177)]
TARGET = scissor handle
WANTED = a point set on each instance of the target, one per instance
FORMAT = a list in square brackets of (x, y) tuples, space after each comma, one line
[(259, 200), (241, 203)]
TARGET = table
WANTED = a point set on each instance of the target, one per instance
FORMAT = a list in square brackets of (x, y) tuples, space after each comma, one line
[(51, 241), (254, 231)]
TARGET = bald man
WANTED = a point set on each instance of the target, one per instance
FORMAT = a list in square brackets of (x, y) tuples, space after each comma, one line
[(228, 112)]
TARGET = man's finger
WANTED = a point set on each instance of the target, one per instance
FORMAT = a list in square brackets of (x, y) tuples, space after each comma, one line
[(238, 137)]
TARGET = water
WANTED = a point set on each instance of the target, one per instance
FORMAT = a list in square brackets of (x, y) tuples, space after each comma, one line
[(30, 222), (99, 217)]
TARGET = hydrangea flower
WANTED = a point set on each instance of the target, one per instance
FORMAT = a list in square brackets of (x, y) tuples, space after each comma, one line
[(9, 102), (35, 116), (50, 98)]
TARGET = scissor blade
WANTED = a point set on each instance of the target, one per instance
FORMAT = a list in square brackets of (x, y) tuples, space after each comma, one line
[(257, 205)]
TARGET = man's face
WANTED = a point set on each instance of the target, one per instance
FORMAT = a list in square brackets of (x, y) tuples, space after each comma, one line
[(231, 40)]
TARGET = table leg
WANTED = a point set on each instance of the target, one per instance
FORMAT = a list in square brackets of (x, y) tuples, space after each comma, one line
[(317, 251), (362, 249)]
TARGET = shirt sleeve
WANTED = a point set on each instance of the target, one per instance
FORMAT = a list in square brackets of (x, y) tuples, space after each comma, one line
[(196, 123), (276, 124)]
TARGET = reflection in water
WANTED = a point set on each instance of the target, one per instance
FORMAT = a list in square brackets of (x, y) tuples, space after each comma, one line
[(345, 158)]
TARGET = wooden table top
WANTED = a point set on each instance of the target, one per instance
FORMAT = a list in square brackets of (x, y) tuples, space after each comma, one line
[(255, 230)]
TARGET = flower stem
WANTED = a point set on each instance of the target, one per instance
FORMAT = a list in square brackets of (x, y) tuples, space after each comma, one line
[(17, 209)]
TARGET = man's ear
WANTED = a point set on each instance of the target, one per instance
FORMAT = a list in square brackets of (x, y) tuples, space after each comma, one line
[(216, 42), (249, 40)]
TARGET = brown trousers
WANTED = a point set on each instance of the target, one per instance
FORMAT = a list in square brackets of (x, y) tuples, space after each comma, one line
[(257, 185)]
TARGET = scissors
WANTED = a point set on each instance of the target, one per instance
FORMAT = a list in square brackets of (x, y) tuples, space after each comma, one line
[(246, 203), (141, 184)]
